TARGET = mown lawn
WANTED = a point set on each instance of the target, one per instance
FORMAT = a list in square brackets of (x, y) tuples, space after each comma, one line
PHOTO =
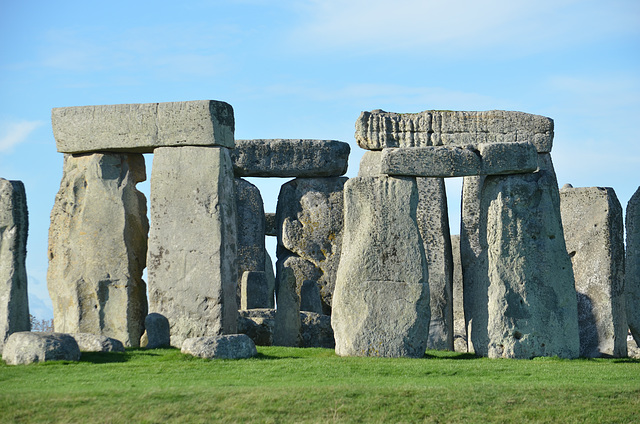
[(315, 385)]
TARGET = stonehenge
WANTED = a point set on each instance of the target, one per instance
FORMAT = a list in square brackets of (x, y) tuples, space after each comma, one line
[(366, 265)]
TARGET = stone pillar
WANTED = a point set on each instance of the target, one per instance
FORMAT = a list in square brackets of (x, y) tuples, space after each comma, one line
[(97, 247), (632, 283), (594, 234), (192, 263), (14, 223), (459, 325), (381, 299)]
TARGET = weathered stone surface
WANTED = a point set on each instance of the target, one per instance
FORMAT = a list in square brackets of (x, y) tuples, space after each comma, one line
[(97, 247), (508, 158), (594, 235), (378, 129), (14, 223), (459, 325), (310, 300), (381, 299), (254, 290), (432, 161), (231, 346), (633, 349), (632, 283), (371, 164), (270, 226), (192, 264), (287, 322), (258, 324), (97, 343), (524, 279), (271, 279), (25, 347), (433, 223), (140, 128), (315, 330), (251, 231), (310, 220), (290, 158), (158, 331)]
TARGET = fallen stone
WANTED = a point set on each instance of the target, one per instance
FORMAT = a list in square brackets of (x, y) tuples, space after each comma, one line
[(232, 346), (526, 275), (158, 331), (290, 158), (270, 226), (254, 290), (14, 223), (632, 283), (310, 221), (25, 347), (192, 263), (381, 299), (97, 247), (315, 330), (258, 324), (140, 128), (379, 129), (459, 325), (433, 223), (594, 234), (97, 343)]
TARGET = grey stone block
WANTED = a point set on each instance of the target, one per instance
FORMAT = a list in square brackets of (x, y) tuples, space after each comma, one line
[(97, 247), (258, 324), (290, 158), (315, 330), (270, 226), (140, 128), (97, 343), (254, 290), (378, 129), (158, 331), (14, 223), (459, 325), (25, 347), (192, 264), (594, 234), (632, 283), (232, 346), (287, 321)]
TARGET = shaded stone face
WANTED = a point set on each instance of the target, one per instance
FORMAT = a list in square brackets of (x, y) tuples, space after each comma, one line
[(24, 348), (97, 247), (381, 299), (14, 222), (192, 264), (593, 229), (459, 325), (632, 283)]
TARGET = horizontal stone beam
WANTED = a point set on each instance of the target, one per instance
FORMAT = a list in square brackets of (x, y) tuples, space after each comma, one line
[(140, 128), (449, 161), (290, 158), (379, 129)]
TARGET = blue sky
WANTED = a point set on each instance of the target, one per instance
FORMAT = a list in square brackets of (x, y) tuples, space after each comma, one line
[(306, 69)]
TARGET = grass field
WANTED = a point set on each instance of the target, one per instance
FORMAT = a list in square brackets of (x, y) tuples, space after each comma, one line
[(315, 385)]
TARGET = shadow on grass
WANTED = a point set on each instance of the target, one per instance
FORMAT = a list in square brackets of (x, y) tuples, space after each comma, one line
[(450, 355), (103, 357)]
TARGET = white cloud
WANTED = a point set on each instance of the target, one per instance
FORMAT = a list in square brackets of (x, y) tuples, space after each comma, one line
[(14, 133)]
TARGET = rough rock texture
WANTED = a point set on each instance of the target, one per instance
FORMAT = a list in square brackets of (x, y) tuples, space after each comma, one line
[(381, 299), (459, 325), (24, 347), (96, 343), (232, 346), (379, 129), (371, 164), (97, 247), (632, 283), (310, 219), (594, 234), (316, 331), (254, 290), (251, 231), (310, 300), (286, 330), (140, 128), (460, 161), (271, 278), (433, 223), (526, 303), (270, 226), (14, 223), (258, 324), (633, 349), (290, 158), (192, 263), (158, 331)]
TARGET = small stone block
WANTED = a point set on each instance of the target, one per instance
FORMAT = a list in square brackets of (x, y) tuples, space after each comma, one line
[(232, 346), (253, 290), (270, 224)]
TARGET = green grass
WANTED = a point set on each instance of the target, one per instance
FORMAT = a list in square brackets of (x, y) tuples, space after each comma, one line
[(315, 385)]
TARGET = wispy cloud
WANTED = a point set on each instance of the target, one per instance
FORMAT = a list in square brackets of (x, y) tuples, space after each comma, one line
[(14, 133)]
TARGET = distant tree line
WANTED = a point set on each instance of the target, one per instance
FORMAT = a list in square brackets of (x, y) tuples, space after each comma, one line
[(43, 325)]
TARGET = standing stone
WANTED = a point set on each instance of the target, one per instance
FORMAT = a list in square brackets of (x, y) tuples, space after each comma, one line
[(158, 331), (594, 234), (310, 220), (381, 299), (270, 275), (192, 242), (97, 247), (433, 223), (526, 275), (251, 231), (316, 331), (14, 222), (632, 283), (459, 325), (286, 331), (254, 290)]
